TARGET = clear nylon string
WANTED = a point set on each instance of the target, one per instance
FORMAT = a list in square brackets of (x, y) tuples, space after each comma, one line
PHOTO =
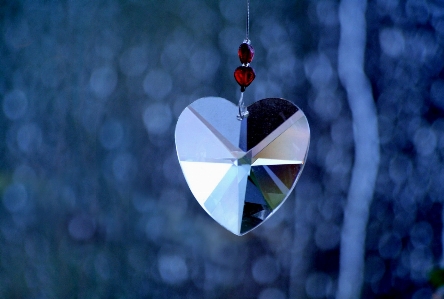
[(248, 21)]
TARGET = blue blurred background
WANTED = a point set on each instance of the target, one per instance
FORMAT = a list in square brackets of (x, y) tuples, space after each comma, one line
[(93, 201)]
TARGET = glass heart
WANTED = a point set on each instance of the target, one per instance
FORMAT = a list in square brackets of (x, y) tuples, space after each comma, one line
[(241, 172), (244, 75)]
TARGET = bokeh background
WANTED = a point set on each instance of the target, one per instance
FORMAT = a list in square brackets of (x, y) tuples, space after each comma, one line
[(93, 201)]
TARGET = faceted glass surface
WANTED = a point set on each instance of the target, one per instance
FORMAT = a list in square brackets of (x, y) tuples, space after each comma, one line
[(241, 172), (244, 75), (245, 53)]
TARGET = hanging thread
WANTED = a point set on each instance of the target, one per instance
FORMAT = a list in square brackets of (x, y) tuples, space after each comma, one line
[(245, 74), (248, 22)]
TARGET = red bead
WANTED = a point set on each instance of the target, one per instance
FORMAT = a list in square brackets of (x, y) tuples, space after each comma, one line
[(246, 53), (244, 75)]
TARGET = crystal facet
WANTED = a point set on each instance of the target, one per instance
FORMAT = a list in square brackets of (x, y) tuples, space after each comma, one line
[(241, 172)]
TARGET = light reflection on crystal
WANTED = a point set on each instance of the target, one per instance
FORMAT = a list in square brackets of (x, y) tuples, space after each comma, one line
[(241, 171)]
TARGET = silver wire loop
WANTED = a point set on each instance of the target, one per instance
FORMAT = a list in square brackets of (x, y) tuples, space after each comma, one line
[(243, 112)]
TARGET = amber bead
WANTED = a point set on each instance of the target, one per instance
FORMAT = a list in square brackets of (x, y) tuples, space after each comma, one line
[(246, 53), (244, 75)]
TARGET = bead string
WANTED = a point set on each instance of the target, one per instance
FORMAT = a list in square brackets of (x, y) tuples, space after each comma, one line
[(244, 74)]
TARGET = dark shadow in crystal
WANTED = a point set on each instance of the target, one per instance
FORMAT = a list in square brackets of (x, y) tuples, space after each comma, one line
[(256, 208), (263, 180), (275, 181), (254, 194), (253, 215), (286, 173), (265, 116)]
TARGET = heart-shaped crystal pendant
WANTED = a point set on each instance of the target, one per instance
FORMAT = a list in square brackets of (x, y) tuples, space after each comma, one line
[(241, 172)]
